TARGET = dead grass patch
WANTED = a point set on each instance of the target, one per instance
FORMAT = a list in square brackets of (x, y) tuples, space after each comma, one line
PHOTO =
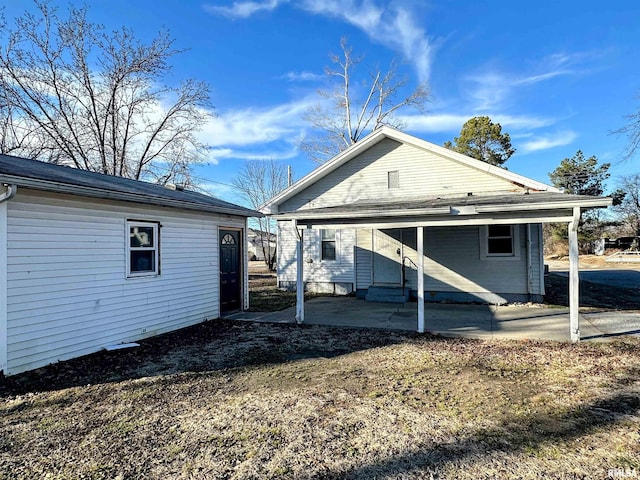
[(265, 296), (238, 400)]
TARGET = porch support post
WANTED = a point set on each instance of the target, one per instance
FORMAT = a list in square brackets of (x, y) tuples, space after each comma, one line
[(420, 242), (299, 275), (574, 268)]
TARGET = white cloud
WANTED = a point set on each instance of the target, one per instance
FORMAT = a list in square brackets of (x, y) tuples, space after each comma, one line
[(541, 77), (452, 122), (550, 141), (218, 154), (443, 122), (243, 9), (364, 15), (302, 76), (251, 126), (490, 89), (395, 27), (256, 133), (518, 122), (392, 26)]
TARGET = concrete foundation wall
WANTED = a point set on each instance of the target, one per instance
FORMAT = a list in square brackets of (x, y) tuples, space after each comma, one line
[(334, 288)]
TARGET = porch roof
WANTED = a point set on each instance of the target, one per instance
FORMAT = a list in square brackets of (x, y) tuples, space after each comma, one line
[(512, 207)]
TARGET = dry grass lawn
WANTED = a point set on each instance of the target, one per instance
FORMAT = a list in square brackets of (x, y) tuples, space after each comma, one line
[(226, 400)]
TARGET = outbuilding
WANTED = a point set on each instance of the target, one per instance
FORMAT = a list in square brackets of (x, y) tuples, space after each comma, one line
[(89, 261)]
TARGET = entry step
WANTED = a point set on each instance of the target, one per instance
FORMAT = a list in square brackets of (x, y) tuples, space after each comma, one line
[(387, 294)]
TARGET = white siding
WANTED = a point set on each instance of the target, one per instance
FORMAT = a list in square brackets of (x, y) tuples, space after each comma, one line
[(422, 174), (68, 294), (453, 262), (286, 252), (537, 260), (316, 270), (363, 258)]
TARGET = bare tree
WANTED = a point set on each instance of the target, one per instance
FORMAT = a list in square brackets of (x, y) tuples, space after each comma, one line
[(76, 94), (628, 208), (632, 131), (353, 112), (258, 181)]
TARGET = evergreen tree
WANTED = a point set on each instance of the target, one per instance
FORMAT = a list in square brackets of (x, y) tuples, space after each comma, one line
[(482, 139), (581, 176)]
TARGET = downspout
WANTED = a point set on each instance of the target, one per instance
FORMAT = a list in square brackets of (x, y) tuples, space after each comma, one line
[(529, 262), (12, 189)]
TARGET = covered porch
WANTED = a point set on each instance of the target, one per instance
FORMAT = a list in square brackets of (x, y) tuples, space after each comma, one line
[(509, 209)]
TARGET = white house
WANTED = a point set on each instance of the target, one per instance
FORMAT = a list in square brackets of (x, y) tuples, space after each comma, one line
[(260, 242), (89, 261), (395, 216)]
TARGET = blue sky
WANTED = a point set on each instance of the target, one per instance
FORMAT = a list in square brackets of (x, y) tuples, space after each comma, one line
[(558, 75)]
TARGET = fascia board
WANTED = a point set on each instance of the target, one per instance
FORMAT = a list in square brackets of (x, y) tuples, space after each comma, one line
[(302, 215)]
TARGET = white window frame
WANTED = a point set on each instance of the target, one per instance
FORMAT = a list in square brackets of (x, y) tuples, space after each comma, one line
[(335, 241), (155, 248), (515, 245)]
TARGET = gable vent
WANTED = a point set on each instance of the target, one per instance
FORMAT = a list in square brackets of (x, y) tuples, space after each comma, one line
[(393, 179)]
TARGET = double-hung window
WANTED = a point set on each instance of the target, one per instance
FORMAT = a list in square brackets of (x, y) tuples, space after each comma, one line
[(143, 253), (328, 241), (499, 242)]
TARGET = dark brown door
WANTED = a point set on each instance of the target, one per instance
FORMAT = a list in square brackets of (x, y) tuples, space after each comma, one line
[(229, 270)]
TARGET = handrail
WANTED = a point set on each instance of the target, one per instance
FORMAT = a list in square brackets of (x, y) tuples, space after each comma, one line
[(409, 258), (404, 277)]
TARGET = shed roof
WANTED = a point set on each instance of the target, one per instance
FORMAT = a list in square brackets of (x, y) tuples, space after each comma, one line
[(57, 178)]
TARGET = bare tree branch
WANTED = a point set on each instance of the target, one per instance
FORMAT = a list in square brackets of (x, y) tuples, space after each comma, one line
[(346, 120), (258, 181), (632, 131), (76, 94), (628, 209)]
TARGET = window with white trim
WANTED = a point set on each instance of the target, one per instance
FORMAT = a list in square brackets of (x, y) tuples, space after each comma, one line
[(499, 242), (143, 253), (328, 244)]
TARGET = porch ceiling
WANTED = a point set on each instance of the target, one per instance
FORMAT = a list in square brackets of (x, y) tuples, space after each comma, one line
[(539, 207)]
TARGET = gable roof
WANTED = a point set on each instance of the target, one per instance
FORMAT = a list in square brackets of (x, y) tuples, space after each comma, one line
[(386, 132), (62, 179)]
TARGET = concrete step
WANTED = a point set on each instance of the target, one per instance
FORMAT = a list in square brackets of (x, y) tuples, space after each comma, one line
[(387, 294)]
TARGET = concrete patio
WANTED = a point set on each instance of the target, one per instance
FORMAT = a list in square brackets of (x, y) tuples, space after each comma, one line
[(531, 322)]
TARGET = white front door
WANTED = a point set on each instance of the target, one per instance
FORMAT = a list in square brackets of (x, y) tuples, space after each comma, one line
[(387, 257)]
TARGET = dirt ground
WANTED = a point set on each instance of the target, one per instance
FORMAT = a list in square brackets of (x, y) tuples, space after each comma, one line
[(229, 400)]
